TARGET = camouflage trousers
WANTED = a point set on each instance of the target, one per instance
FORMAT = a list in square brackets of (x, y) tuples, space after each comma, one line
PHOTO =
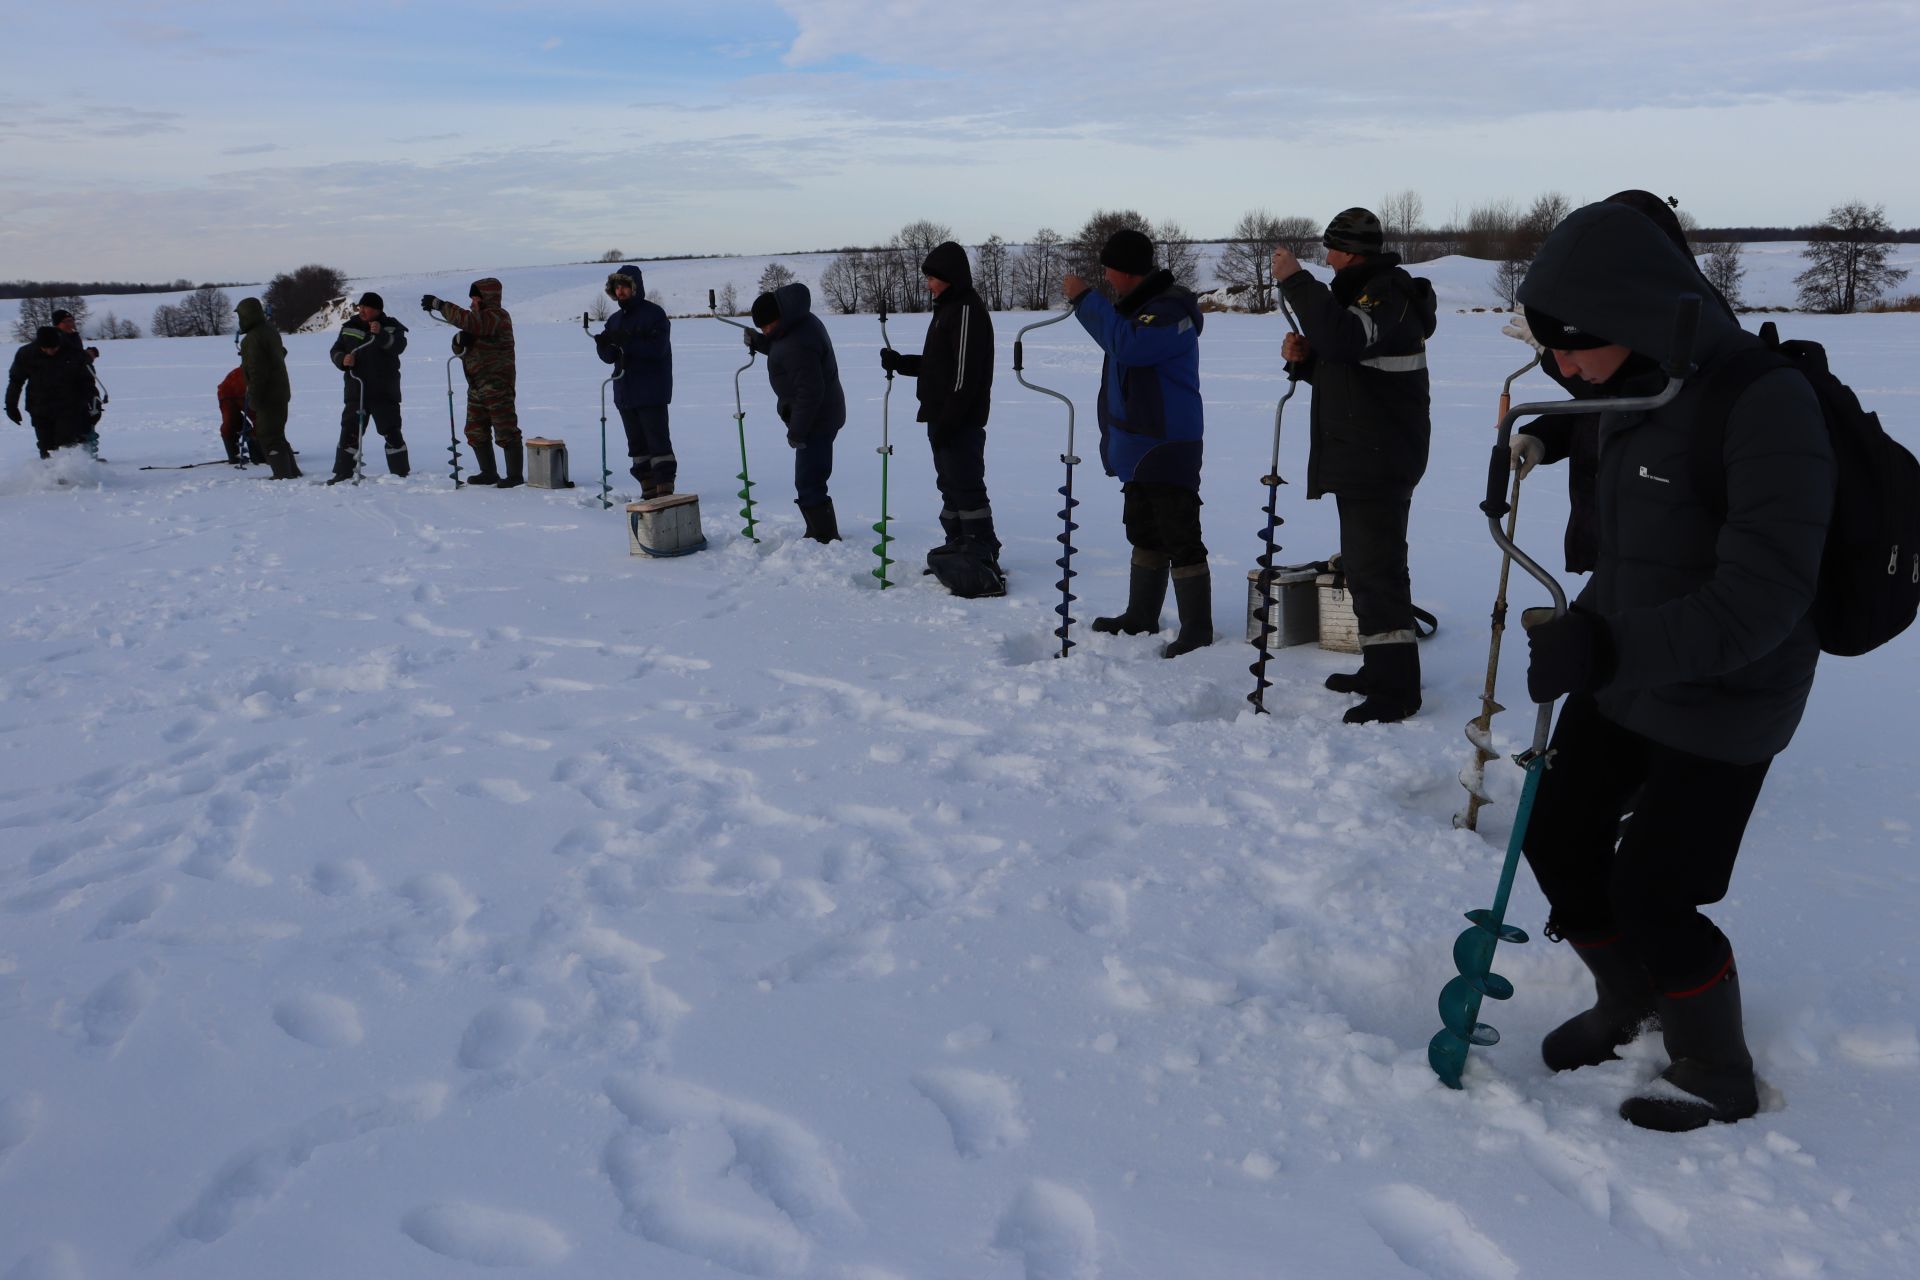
[(490, 417)]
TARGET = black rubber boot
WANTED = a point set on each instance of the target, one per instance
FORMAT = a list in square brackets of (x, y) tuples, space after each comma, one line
[(1392, 676), (282, 465), (1193, 595), (950, 525), (822, 524), (397, 463), (1711, 1075), (1623, 1004), (486, 477), (342, 466), (1146, 592), (233, 450), (1348, 681), (516, 459)]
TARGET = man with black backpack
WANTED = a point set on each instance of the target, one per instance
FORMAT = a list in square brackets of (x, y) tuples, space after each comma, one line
[(1687, 659)]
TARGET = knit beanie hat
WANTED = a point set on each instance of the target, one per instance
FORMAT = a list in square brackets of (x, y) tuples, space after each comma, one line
[(46, 336), (1556, 334), (1129, 251), (1355, 230), (371, 299), (766, 309)]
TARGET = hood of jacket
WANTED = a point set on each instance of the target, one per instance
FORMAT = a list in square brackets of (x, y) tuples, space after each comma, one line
[(948, 261), (487, 289), (631, 275), (251, 314), (1611, 271), (795, 303)]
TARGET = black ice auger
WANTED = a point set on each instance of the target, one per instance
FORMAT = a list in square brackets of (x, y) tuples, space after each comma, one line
[(1065, 630)]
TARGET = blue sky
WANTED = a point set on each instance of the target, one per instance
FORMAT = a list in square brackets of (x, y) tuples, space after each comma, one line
[(229, 141)]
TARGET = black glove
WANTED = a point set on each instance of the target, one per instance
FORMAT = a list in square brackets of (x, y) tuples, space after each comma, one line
[(1569, 654), (889, 359), (429, 303), (461, 341), (14, 414), (795, 440)]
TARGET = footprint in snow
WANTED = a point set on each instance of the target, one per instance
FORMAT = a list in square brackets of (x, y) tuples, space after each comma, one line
[(133, 911), (500, 1033), (982, 1110), (324, 1021), (485, 1237), (109, 1013), (1054, 1232), (1434, 1236)]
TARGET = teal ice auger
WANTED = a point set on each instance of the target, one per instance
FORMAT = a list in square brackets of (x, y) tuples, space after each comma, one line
[(1273, 481), (619, 372), (739, 421), (1473, 950), (886, 456), (1065, 630)]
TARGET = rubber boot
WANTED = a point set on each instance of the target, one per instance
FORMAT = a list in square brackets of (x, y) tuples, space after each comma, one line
[(1623, 1004), (1711, 1075), (1392, 675), (486, 477), (1348, 681), (1193, 595), (950, 525), (397, 463), (979, 547), (516, 458), (822, 524), (342, 466), (233, 450), (281, 463), (1146, 592)]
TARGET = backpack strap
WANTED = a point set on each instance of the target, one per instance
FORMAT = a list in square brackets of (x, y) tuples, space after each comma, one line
[(1707, 460)]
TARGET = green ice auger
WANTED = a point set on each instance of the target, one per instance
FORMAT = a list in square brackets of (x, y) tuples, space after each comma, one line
[(1473, 950), (739, 421), (886, 456)]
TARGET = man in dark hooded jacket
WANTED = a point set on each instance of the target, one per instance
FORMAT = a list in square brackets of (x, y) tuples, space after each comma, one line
[(485, 347), (58, 387), (263, 358), (805, 378), (68, 326), (1152, 421), (1362, 345), (638, 342), (955, 374), (368, 353), (1687, 659)]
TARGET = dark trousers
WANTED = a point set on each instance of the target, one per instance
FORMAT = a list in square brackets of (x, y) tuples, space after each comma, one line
[(1164, 519), (52, 433), (812, 466), (649, 446), (1373, 554), (1677, 854), (960, 468), (382, 416)]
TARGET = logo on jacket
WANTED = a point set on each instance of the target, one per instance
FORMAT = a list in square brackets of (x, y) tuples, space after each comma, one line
[(1648, 475)]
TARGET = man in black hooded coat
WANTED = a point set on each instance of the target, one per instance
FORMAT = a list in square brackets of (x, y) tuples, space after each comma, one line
[(1687, 659), (955, 375), (805, 377), (58, 387)]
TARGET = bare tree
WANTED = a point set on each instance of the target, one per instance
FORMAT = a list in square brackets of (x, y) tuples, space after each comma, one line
[(168, 322), (613, 255), (1038, 269), (1083, 253), (1247, 258), (1400, 214), (1847, 260), (1724, 270), (920, 237), (992, 276), (600, 307), (108, 329), (1489, 230), (293, 296), (776, 274), (206, 312), (127, 329), (35, 312), (1177, 254), (729, 303), (843, 283), (1506, 281)]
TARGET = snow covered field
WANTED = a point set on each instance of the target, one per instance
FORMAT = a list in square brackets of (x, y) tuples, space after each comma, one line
[(397, 881)]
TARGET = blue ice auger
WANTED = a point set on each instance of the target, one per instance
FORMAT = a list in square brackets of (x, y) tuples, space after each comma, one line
[(886, 456), (739, 422), (1273, 481), (619, 372), (1065, 630), (1473, 950)]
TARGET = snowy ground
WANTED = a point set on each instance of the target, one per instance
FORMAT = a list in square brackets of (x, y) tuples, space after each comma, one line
[(402, 882)]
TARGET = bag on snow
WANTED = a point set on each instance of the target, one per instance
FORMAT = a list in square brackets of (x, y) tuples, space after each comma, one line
[(1869, 585)]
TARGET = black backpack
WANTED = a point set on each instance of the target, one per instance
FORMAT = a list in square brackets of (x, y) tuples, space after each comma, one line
[(1870, 572)]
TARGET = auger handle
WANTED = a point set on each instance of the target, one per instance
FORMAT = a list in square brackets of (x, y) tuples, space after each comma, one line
[(1019, 352)]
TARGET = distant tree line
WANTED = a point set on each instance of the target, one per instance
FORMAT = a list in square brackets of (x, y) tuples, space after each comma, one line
[(91, 288)]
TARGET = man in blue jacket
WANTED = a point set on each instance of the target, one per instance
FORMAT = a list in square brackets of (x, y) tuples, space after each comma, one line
[(1150, 429), (637, 343)]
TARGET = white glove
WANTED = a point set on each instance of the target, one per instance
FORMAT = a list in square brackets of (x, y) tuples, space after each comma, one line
[(1528, 451), (1516, 327)]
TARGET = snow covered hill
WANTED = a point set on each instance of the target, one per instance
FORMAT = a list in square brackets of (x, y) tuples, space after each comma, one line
[(403, 881)]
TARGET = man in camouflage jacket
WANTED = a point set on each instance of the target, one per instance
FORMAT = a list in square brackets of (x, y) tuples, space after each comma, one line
[(485, 347)]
